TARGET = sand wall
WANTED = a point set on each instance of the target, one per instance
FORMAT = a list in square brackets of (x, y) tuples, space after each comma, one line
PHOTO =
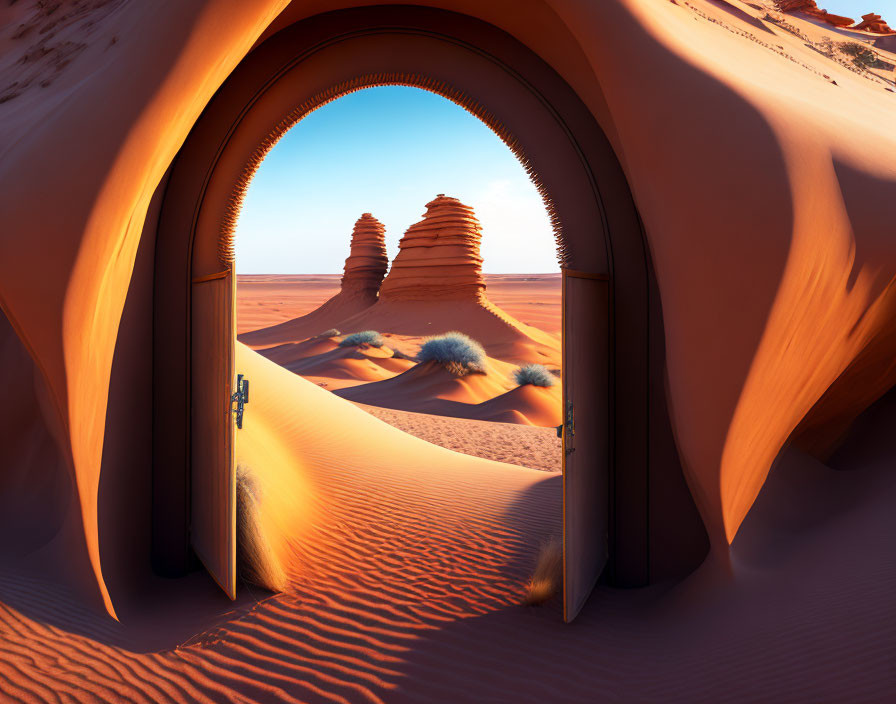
[(750, 172)]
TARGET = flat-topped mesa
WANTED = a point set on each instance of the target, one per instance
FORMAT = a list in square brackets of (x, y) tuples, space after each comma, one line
[(367, 261), (438, 258)]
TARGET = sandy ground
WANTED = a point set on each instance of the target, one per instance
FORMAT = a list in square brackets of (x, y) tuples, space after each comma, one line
[(527, 446), (267, 299), (407, 565)]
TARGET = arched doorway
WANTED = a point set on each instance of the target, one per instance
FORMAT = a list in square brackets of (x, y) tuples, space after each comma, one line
[(569, 158)]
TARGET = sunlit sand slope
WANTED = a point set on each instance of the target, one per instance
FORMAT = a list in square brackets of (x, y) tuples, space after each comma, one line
[(405, 572)]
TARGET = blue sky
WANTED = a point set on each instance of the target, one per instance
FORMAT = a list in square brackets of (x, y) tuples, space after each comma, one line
[(387, 151), (857, 8)]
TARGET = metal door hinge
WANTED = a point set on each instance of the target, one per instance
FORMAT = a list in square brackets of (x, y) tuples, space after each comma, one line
[(240, 397)]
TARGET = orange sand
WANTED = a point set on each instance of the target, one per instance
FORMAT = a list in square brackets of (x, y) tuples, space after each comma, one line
[(407, 564), (523, 445)]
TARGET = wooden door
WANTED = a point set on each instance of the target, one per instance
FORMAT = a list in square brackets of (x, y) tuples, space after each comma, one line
[(213, 475), (586, 436)]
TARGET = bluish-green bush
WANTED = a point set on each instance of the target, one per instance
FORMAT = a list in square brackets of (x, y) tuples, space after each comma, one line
[(459, 354), (534, 374), (365, 337)]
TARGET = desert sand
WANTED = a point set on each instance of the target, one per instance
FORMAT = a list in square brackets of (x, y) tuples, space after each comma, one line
[(407, 564), (523, 445), (763, 171)]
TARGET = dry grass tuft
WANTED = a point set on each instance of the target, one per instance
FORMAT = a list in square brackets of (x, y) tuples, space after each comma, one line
[(548, 574), (459, 354), (256, 561)]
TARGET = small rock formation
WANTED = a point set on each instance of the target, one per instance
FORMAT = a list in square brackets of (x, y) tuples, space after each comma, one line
[(438, 258), (810, 8), (874, 23), (361, 280), (367, 260)]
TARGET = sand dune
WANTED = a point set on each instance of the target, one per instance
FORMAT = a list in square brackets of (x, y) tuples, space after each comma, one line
[(531, 405), (291, 352), (427, 381), (350, 364), (430, 388)]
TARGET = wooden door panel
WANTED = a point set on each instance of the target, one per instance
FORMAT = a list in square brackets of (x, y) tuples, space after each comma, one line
[(586, 437), (213, 475)]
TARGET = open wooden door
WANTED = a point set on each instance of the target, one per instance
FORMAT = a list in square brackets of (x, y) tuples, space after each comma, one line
[(213, 475), (586, 436)]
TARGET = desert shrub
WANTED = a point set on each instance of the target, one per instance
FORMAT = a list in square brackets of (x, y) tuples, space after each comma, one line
[(365, 337), (534, 374), (459, 354), (256, 561), (332, 332), (546, 577), (862, 57), (826, 46)]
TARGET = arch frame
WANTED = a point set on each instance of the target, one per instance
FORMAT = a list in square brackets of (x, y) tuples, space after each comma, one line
[(542, 120)]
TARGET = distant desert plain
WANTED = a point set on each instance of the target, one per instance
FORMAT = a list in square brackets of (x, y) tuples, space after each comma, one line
[(267, 299)]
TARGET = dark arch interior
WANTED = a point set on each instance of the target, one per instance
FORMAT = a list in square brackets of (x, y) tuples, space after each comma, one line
[(655, 530)]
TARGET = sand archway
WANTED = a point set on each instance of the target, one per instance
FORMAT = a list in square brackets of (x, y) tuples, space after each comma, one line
[(558, 141)]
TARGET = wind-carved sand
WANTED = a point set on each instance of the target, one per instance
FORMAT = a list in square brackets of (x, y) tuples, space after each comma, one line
[(435, 285)]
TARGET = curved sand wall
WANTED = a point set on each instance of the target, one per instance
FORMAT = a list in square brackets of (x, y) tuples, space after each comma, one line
[(752, 173)]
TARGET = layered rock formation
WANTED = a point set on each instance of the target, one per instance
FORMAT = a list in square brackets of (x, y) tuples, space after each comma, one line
[(361, 279), (874, 23), (367, 261), (810, 8), (438, 257), (438, 261)]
